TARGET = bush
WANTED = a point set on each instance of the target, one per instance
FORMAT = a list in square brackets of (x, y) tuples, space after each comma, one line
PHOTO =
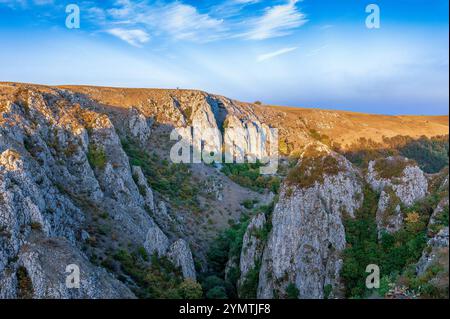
[(327, 290), (248, 175), (25, 286), (217, 293), (249, 287), (249, 203), (96, 157), (160, 279), (212, 281), (189, 289), (292, 291)]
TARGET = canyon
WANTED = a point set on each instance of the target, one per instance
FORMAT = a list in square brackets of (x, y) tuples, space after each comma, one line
[(86, 179)]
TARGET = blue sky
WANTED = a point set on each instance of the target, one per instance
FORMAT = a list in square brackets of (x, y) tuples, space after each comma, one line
[(299, 53)]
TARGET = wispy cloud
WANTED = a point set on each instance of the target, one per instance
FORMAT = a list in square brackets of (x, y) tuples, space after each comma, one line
[(179, 21), (316, 51), (279, 20), (326, 26), (271, 55), (185, 22), (227, 20), (231, 8), (135, 37), (24, 3)]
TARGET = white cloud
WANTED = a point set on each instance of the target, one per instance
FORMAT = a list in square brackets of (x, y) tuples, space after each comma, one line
[(180, 21), (134, 37), (279, 20), (271, 55), (185, 22), (24, 3)]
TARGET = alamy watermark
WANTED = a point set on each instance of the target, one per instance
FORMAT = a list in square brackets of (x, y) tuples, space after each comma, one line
[(373, 20), (73, 278), (73, 16), (235, 145), (373, 279)]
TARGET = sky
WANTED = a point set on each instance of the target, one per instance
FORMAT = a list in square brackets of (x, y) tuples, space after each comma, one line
[(306, 53)]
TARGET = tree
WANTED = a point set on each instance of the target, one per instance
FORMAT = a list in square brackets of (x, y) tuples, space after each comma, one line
[(190, 289), (217, 292), (292, 291)]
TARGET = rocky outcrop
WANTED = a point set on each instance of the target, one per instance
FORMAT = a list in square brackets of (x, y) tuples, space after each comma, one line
[(252, 246), (44, 270), (180, 254), (400, 182), (156, 241), (308, 233), (139, 126), (144, 189), (62, 168), (436, 246)]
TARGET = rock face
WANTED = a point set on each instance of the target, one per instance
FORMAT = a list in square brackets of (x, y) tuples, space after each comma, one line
[(308, 232), (139, 126), (436, 246), (40, 261), (181, 256), (400, 182), (144, 189), (435, 255), (252, 246), (62, 166)]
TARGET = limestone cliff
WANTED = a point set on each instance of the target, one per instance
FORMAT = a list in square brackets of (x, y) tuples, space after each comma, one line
[(308, 234)]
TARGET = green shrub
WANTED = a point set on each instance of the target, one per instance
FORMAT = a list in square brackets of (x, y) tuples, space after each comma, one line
[(312, 168), (248, 175), (249, 286), (327, 290), (249, 203), (217, 293), (96, 157), (189, 289), (292, 291), (325, 139), (160, 279)]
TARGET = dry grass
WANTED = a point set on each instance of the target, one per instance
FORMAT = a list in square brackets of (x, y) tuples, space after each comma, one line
[(295, 124)]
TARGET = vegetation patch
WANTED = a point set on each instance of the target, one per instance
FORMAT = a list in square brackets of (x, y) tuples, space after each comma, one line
[(157, 279), (249, 287), (96, 156), (24, 284), (391, 167), (393, 253), (292, 291), (323, 138), (248, 175), (441, 221), (311, 169), (431, 154), (172, 180), (228, 247)]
